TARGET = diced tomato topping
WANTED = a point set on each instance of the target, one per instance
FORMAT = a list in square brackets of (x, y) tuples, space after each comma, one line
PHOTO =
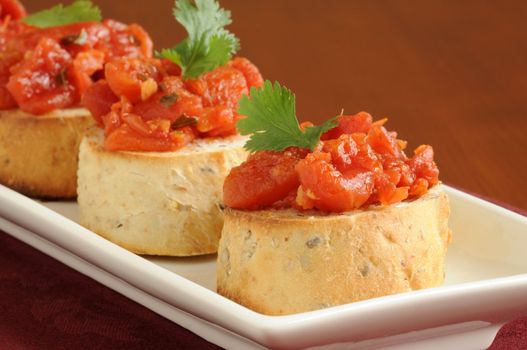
[(137, 93), (132, 78), (12, 8), (31, 57), (424, 168), (170, 68), (250, 72), (356, 164), (263, 179), (126, 137), (224, 86), (125, 41), (84, 67), (349, 124), (6, 99), (98, 99), (327, 188), (41, 82), (384, 143), (216, 120)]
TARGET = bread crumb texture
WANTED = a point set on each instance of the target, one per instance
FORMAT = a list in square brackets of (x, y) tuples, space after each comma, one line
[(39, 154), (157, 203), (279, 262)]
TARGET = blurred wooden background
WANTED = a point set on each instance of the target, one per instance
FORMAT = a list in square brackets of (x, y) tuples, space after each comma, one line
[(449, 73)]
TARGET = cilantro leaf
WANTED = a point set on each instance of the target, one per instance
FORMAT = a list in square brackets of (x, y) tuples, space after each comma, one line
[(272, 123), (209, 45), (79, 11)]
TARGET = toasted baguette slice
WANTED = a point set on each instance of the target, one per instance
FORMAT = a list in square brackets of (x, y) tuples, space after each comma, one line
[(38, 154), (167, 203), (283, 261)]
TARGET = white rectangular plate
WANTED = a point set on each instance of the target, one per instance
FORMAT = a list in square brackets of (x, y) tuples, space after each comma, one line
[(486, 283)]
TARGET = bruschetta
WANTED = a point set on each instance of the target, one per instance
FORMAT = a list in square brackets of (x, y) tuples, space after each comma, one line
[(151, 179), (48, 60), (316, 223)]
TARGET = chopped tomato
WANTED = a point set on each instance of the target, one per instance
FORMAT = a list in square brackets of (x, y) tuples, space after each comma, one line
[(134, 79), (349, 124), (250, 72), (217, 121), (111, 121), (98, 99), (384, 143), (424, 168), (12, 8), (148, 92), (141, 39), (351, 154), (356, 164), (126, 138), (79, 51), (125, 41), (263, 179), (41, 82), (225, 86), (170, 102), (328, 188), (6, 99), (84, 66), (170, 68)]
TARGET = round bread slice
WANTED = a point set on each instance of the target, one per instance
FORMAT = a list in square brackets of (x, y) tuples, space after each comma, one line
[(280, 262), (157, 203), (38, 154)]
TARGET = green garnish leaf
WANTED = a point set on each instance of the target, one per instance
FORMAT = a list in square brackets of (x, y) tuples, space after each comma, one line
[(59, 15), (272, 123), (209, 45)]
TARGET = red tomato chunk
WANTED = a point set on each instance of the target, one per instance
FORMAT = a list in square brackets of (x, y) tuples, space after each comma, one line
[(50, 68), (145, 105), (358, 163)]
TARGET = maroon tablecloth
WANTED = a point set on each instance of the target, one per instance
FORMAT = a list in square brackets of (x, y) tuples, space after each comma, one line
[(46, 305)]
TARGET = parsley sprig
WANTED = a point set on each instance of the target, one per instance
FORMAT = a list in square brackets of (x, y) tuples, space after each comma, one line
[(209, 45), (272, 123), (59, 15)]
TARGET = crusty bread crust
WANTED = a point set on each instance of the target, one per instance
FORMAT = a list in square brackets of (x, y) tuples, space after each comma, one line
[(166, 203), (38, 154), (282, 261)]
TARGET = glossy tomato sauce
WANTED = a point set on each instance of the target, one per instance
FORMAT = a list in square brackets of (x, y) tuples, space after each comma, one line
[(46, 69), (356, 164), (145, 104)]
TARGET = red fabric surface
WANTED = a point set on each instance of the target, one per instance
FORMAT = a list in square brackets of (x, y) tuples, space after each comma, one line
[(512, 336), (46, 305)]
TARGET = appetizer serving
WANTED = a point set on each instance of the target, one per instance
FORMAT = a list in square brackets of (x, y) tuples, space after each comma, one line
[(152, 180), (325, 215), (48, 59)]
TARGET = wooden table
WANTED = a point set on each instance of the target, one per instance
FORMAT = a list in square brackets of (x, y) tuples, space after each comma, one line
[(452, 74)]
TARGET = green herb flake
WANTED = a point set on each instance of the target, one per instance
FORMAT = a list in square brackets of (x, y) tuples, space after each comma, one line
[(59, 15), (209, 45), (272, 123), (62, 78), (77, 39), (142, 77), (183, 121), (168, 100)]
